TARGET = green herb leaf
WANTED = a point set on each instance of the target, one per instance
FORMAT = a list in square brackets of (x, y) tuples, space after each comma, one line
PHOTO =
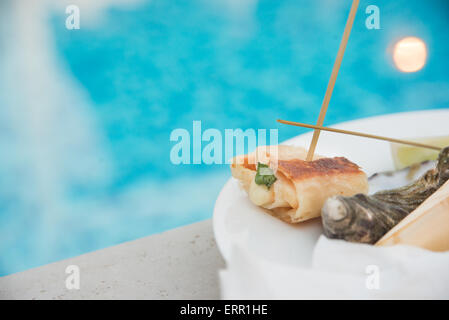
[(265, 175)]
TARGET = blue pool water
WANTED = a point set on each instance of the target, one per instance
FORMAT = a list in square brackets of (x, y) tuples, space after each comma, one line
[(87, 114)]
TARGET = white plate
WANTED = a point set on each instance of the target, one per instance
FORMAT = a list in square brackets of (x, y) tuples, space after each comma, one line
[(235, 217)]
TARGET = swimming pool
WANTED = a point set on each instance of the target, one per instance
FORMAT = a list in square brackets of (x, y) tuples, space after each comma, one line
[(87, 114)]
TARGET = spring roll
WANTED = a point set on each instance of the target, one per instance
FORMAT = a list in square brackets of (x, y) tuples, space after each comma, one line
[(279, 179)]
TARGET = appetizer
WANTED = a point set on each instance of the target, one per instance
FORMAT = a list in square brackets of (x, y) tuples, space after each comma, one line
[(292, 189), (365, 219)]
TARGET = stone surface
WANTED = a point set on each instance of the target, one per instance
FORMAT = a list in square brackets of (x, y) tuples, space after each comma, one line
[(181, 263)]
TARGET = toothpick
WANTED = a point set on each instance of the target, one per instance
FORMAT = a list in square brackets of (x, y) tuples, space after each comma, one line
[(360, 134), (333, 79)]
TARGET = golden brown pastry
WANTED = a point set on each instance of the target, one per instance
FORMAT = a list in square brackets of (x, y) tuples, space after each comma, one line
[(294, 189)]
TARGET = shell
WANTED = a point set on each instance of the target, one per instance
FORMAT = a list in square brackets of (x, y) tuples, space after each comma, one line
[(366, 218), (398, 178)]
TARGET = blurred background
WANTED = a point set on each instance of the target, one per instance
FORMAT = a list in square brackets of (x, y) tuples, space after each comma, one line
[(86, 115)]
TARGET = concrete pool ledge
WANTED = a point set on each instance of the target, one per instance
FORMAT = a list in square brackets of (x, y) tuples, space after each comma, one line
[(182, 263)]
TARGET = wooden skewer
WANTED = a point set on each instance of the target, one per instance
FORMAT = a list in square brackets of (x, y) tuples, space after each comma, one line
[(333, 79), (360, 134)]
